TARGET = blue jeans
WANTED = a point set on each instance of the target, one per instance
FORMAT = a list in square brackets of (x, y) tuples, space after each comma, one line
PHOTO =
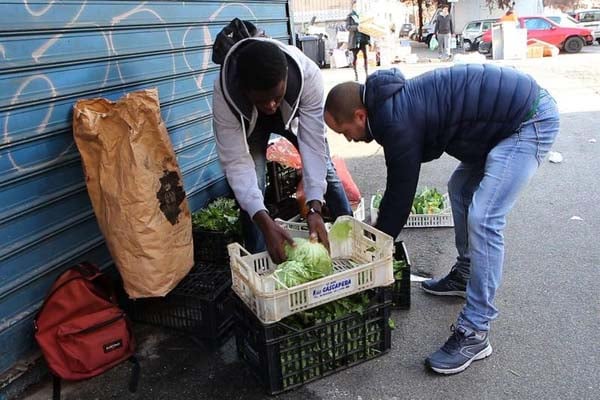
[(481, 196), (335, 196)]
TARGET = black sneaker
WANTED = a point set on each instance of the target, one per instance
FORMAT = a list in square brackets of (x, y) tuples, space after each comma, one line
[(453, 284), (462, 348)]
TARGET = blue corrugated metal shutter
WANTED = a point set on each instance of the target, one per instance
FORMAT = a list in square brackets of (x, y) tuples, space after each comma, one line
[(55, 52)]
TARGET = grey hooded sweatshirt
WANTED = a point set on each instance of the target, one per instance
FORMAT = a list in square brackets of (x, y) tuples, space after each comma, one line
[(234, 120)]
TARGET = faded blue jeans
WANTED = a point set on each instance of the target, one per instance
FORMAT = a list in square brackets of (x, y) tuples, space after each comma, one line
[(482, 195), (335, 196)]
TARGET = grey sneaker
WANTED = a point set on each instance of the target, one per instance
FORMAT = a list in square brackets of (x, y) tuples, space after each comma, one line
[(462, 348), (453, 284)]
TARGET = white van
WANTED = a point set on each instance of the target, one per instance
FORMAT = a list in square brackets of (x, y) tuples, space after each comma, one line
[(589, 18)]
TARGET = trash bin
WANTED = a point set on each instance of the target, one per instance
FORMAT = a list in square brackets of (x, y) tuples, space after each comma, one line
[(312, 47)]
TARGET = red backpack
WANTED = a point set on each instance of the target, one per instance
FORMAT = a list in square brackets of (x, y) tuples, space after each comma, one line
[(81, 330)]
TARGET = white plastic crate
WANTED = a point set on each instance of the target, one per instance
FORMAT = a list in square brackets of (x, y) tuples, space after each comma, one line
[(439, 220), (359, 212), (362, 262)]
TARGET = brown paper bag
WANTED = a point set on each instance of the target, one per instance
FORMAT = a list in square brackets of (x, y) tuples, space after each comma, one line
[(136, 189)]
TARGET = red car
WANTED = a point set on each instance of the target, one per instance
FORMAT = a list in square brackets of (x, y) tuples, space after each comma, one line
[(568, 39)]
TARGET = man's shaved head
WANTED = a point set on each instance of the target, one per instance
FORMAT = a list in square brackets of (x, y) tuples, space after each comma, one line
[(345, 112), (343, 100)]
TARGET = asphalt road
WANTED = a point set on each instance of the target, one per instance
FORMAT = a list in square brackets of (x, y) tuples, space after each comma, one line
[(547, 338)]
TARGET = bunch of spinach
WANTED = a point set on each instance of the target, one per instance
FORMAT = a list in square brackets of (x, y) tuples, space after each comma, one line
[(221, 215)]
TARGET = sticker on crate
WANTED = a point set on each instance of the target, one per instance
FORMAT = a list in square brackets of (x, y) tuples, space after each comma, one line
[(332, 287), (361, 260)]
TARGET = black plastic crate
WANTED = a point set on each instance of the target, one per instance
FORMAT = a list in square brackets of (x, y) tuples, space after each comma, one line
[(285, 209), (284, 358), (211, 246), (401, 287), (201, 305), (281, 182)]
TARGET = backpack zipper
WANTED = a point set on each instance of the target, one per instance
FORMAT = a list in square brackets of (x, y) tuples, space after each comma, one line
[(100, 325)]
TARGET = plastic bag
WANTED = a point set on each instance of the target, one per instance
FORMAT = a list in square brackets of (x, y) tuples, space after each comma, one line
[(350, 186), (433, 43), (282, 151)]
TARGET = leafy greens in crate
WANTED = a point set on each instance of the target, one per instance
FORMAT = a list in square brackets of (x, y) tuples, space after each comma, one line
[(221, 215), (427, 201)]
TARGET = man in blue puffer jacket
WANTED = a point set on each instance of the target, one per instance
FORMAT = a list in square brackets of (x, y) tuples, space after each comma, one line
[(500, 125)]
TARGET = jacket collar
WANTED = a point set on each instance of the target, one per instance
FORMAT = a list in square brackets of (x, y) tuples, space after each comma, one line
[(363, 90)]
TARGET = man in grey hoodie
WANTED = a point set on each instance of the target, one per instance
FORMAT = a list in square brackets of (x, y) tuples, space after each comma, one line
[(267, 87)]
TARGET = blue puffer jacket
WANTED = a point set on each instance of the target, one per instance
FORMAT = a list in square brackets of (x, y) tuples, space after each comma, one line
[(463, 111)]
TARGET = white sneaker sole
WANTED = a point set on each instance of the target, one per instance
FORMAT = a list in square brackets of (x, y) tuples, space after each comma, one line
[(450, 293), (479, 356)]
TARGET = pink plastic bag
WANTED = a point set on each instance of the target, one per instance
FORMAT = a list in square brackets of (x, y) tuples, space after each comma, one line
[(349, 185), (282, 151)]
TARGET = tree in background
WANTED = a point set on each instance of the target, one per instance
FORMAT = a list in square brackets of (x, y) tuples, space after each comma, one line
[(563, 5), (501, 4)]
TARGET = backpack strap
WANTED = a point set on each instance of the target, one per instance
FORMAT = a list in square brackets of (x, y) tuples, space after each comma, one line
[(103, 285), (135, 374), (55, 387)]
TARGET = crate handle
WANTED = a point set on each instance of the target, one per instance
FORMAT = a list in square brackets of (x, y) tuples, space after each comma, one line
[(236, 249), (369, 235), (292, 226)]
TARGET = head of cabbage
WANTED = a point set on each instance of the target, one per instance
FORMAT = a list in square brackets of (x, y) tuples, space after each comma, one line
[(306, 261)]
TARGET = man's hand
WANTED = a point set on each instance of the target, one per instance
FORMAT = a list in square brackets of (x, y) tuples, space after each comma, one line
[(275, 236), (316, 226)]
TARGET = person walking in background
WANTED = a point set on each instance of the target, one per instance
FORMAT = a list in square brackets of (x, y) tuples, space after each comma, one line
[(443, 32), (357, 41)]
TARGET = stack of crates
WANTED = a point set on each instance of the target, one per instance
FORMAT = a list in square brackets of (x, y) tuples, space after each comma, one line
[(211, 246), (200, 305), (285, 356)]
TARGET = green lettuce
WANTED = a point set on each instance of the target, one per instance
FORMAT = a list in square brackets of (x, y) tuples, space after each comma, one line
[(306, 261)]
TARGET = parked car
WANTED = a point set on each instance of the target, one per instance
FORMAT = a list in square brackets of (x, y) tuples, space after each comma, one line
[(589, 18), (568, 39), (429, 28), (564, 20), (472, 32), (406, 30)]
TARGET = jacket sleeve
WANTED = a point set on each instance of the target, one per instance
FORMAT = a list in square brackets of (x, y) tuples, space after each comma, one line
[(311, 133), (437, 24), (351, 25), (232, 147), (403, 161)]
